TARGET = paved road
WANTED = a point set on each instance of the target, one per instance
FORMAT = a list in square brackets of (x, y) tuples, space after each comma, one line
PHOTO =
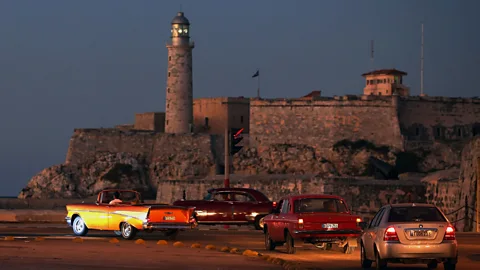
[(306, 256)]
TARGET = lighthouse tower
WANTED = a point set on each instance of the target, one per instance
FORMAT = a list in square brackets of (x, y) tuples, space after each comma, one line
[(179, 107)]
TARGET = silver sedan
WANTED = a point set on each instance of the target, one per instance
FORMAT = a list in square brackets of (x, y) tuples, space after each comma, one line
[(409, 233)]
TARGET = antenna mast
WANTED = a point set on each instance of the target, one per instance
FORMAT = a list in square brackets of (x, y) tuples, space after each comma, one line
[(421, 67), (371, 54)]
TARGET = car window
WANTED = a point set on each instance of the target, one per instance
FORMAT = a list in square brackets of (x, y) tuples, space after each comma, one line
[(315, 205), (222, 196), (380, 217), (375, 218), (415, 214), (285, 207), (242, 197)]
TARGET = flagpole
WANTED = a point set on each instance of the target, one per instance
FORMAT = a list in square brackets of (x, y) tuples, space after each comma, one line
[(258, 84)]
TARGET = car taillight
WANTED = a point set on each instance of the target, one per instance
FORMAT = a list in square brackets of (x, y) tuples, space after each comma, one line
[(274, 204), (300, 223), (390, 234), (449, 233)]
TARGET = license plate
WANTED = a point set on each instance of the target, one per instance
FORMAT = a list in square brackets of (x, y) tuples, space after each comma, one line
[(330, 226), (420, 233), (169, 218)]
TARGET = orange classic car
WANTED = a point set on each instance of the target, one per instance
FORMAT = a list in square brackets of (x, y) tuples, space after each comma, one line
[(124, 212)]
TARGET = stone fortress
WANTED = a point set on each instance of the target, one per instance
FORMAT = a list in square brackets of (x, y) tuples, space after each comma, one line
[(314, 139)]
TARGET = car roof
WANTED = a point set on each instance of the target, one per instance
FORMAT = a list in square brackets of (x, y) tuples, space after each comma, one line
[(412, 205), (320, 196), (256, 193), (234, 189)]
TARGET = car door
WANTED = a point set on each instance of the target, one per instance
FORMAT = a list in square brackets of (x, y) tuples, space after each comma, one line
[(242, 204), (274, 226), (285, 218), (281, 221), (220, 208), (371, 233)]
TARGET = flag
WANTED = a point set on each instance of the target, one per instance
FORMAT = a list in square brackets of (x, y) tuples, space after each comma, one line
[(256, 74)]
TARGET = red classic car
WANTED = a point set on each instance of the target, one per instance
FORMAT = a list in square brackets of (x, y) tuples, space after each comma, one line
[(322, 220), (232, 206)]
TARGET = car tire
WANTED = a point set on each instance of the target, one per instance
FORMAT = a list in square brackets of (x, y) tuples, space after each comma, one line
[(380, 264), (290, 244), (128, 231), (269, 244), (79, 227), (365, 263), (259, 224), (432, 265), (448, 265)]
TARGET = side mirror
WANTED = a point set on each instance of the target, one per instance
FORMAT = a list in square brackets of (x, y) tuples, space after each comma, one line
[(363, 225)]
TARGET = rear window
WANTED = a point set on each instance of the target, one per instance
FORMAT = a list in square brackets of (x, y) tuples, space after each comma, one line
[(319, 205), (415, 213)]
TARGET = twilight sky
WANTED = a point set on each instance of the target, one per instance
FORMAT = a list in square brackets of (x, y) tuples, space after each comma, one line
[(79, 64)]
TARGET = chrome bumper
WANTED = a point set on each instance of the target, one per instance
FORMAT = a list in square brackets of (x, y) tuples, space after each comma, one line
[(167, 226), (69, 221), (444, 250)]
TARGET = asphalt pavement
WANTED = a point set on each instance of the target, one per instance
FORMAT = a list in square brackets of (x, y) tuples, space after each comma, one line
[(307, 256)]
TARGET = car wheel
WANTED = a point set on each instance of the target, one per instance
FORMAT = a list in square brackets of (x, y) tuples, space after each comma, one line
[(448, 265), (379, 263), (117, 233), (128, 231), (290, 244), (347, 249), (366, 263), (171, 234), (259, 222), (432, 265), (269, 244), (79, 227)]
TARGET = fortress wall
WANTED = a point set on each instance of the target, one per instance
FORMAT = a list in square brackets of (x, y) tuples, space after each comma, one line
[(439, 118), (86, 143), (323, 122)]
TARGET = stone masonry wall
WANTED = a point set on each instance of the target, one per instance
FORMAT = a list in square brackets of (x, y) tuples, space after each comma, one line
[(469, 179), (443, 189), (439, 118), (364, 196), (87, 143), (323, 122)]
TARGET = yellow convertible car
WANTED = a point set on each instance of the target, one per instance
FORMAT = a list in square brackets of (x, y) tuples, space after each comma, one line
[(124, 212)]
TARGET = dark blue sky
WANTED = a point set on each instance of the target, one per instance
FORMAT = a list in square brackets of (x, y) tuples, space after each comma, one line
[(68, 64)]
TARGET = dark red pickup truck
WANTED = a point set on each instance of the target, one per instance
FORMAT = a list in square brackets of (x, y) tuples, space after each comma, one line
[(322, 220), (231, 206)]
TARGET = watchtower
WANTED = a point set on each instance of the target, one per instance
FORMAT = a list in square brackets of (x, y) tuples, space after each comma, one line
[(179, 99), (385, 82)]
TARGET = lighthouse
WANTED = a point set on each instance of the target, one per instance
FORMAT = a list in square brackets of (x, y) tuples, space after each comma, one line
[(179, 97)]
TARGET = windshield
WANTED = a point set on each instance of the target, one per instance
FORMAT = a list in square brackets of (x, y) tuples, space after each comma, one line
[(125, 196), (415, 213), (322, 205)]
